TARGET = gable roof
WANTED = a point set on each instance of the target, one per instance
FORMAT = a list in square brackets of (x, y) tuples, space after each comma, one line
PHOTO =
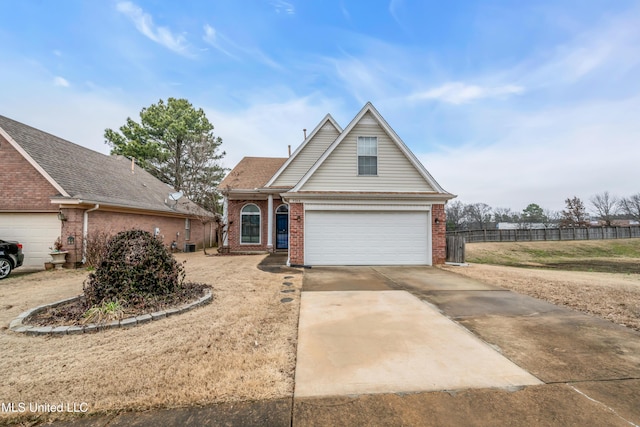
[(327, 119), (369, 108), (251, 173), (82, 175)]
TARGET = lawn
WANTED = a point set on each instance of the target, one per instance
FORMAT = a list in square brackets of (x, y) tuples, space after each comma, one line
[(612, 256), (239, 347)]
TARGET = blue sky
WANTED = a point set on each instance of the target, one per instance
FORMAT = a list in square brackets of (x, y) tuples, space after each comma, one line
[(504, 102)]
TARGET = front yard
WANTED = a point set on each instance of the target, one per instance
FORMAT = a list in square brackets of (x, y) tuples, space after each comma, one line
[(239, 347)]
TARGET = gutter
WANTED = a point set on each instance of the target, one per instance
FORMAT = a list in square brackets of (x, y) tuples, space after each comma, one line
[(85, 231)]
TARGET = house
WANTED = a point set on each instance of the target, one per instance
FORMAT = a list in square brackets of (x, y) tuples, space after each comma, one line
[(53, 188), (352, 196)]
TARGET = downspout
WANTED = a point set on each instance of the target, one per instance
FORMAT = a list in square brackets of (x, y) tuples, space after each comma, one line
[(85, 231)]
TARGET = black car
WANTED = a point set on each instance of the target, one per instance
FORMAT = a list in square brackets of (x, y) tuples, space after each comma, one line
[(11, 256)]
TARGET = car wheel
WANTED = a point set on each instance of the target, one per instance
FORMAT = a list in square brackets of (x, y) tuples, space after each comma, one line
[(5, 267)]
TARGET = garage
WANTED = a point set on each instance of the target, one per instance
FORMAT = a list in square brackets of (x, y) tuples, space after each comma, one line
[(342, 237), (36, 232)]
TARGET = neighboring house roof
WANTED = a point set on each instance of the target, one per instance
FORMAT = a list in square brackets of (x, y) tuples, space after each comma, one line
[(82, 175), (251, 173)]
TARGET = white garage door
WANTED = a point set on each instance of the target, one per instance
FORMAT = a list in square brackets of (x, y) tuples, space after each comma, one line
[(366, 238), (36, 232)]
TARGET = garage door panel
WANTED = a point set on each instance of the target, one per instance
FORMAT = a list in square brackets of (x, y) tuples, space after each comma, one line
[(366, 238), (36, 232)]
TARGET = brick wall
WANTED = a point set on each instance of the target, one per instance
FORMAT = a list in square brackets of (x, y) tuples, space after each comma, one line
[(296, 233), (234, 207), (23, 188), (114, 222), (438, 235)]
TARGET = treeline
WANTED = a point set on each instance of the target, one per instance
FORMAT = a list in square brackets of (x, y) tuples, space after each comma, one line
[(603, 207)]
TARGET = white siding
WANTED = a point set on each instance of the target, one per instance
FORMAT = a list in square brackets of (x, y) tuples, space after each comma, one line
[(36, 232), (339, 172), (307, 156), (366, 238)]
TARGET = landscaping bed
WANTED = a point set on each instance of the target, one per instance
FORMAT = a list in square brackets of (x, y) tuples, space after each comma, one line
[(240, 347), (74, 313)]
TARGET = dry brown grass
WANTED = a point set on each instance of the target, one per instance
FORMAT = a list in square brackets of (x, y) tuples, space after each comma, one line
[(240, 347)]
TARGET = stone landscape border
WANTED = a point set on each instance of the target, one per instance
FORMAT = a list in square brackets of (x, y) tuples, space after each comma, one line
[(18, 325)]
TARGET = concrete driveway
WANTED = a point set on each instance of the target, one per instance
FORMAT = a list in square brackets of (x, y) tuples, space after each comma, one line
[(589, 369)]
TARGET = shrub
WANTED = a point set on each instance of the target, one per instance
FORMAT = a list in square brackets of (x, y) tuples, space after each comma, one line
[(137, 270), (96, 248)]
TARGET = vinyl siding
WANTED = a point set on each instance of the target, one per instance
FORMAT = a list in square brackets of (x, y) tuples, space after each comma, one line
[(339, 172), (308, 156)]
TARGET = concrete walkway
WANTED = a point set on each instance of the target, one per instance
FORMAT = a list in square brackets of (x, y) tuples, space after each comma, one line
[(590, 368), (359, 342)]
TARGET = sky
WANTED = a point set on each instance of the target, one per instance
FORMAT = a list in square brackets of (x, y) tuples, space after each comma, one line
[(504, 102)]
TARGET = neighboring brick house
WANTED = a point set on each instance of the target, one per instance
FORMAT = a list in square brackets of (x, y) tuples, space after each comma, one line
[(353, 196), (53, 188)]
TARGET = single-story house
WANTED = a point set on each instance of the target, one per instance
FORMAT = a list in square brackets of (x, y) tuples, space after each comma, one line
[(352, 196), (52, 188)]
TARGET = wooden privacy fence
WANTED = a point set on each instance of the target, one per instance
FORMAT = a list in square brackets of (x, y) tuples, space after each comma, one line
[(455, 249), (530, 235)]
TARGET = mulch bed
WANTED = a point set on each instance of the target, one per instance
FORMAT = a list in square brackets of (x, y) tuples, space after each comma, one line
[(72, 313)]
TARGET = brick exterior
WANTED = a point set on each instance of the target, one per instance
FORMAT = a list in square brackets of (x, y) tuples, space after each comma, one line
[(438, 235), (113, 222), (234, 207), (296, 233), (24, 188)]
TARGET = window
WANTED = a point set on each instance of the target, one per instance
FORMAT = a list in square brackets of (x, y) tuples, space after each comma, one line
[(367, 155), (250, 224), (187, 229)]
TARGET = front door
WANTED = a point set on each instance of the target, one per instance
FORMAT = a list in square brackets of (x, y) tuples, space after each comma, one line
[(282, 231)]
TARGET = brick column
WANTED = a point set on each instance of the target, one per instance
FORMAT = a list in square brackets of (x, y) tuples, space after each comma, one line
[(438, 235), (71, 231), (296, 233)]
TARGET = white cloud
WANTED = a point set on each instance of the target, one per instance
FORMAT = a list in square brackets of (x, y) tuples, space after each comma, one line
[(60, 81), (462, 93), (161, 35), (222, 43), (283, 7), (212, 38)]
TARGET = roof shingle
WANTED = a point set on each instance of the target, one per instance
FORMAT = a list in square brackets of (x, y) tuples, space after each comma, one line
[(251, 173), (91, 176)]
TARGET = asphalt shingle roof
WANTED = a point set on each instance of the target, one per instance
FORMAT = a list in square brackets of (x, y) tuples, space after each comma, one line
[(251, 173), (91, 176)]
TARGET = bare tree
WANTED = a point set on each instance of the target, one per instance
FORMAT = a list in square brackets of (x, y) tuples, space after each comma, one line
[(551, 218), (630, 206), (575, 215), (606, 206), (478, 215), (455, 215), (505, 215)]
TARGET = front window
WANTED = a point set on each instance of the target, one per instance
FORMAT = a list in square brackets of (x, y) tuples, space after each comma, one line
[(250, 224), (367, 155)]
